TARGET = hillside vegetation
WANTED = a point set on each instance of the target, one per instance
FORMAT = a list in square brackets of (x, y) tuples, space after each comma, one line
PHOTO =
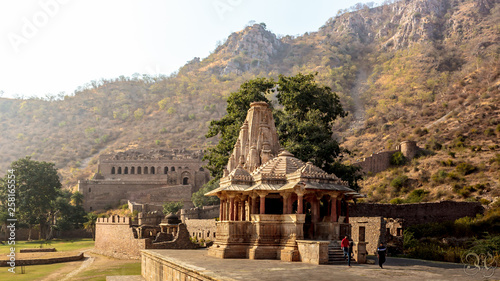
[(425, 70)]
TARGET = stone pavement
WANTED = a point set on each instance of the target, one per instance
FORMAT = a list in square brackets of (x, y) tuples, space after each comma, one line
[(275, 270)]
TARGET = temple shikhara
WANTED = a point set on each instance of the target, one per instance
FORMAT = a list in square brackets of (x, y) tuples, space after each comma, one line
[(272, 203)]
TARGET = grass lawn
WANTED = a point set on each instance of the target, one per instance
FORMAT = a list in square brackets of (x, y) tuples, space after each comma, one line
[(132, 268), (32, 272), (61, 245)]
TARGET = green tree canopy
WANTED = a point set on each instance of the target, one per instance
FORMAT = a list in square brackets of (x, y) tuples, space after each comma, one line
[(37, 187), (172, 207), (304, 114), (199, 199)]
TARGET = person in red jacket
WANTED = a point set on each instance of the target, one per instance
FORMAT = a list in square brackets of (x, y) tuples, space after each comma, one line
[(345, 246)]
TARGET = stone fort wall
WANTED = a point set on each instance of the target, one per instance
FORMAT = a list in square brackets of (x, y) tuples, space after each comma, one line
[(418, 213), (114, 237), (205, 212), (99, 194), (381, 161)]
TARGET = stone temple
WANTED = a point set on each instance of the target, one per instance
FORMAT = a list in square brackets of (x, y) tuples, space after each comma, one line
[(272, 204)]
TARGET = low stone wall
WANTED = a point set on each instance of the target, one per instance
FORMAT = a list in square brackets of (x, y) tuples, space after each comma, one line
[(43, 261), (155, 267), (314, 252), (418, 213), (22, 234), (37, 250), (202, 229)]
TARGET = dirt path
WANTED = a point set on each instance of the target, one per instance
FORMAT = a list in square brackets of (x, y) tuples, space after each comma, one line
[(359, 108), (88, 261)]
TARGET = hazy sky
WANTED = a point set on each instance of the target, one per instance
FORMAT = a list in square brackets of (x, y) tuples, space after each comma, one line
[(50, 46)]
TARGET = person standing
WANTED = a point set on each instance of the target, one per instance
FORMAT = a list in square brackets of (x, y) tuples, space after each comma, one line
[(345, 246), (381, 252), (351, 246)]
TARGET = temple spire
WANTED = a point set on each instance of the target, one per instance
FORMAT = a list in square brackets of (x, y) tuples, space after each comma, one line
[(258, 139)]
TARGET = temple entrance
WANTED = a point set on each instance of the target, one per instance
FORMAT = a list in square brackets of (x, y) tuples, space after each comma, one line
[(308, 225), (274, 205)]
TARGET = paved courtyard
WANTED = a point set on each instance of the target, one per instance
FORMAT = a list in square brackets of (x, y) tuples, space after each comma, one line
[(262, 270)]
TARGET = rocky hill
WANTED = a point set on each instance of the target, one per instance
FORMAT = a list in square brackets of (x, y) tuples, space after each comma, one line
[(423, 70)]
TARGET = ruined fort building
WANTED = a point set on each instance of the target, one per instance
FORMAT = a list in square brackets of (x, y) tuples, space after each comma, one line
[(150, 177)]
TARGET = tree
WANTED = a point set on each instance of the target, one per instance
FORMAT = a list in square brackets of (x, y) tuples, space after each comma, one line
[(37, 187), (90, 223), (172, 207), (199, 199), (69, 212), (304, 123)]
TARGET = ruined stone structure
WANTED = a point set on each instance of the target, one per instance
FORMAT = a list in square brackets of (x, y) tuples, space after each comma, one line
[(376, 230), (153, 177), (271, 201), (381, 161), (205, 229), (120, 237)]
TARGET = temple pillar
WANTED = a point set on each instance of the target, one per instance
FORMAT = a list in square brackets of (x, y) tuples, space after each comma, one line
[(236, 209), (221, 210), (254, 203), (333, 209), (339, 206), (315, 207), (242, 208), (285, 203), (231, 208), (346, 211), (262, 203), (290, 204), (300, 203)]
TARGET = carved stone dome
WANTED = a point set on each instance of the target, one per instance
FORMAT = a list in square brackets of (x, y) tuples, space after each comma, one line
[(172, 219), (284, 163)]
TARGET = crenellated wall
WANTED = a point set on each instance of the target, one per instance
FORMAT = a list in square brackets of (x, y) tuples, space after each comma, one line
[(114, 237), (205, 212)]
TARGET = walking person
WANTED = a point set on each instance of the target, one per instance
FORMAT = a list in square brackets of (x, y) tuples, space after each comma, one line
[(345, 246), (351, 246), (381, 251)]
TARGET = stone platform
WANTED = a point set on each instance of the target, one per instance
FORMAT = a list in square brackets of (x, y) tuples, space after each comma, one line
[(197, 265)]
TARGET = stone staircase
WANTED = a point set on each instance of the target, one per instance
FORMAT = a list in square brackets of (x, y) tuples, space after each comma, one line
[(335, 253)]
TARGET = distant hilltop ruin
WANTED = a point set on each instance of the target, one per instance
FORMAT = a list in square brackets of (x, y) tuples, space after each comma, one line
[(144, 176), (381, 161)]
